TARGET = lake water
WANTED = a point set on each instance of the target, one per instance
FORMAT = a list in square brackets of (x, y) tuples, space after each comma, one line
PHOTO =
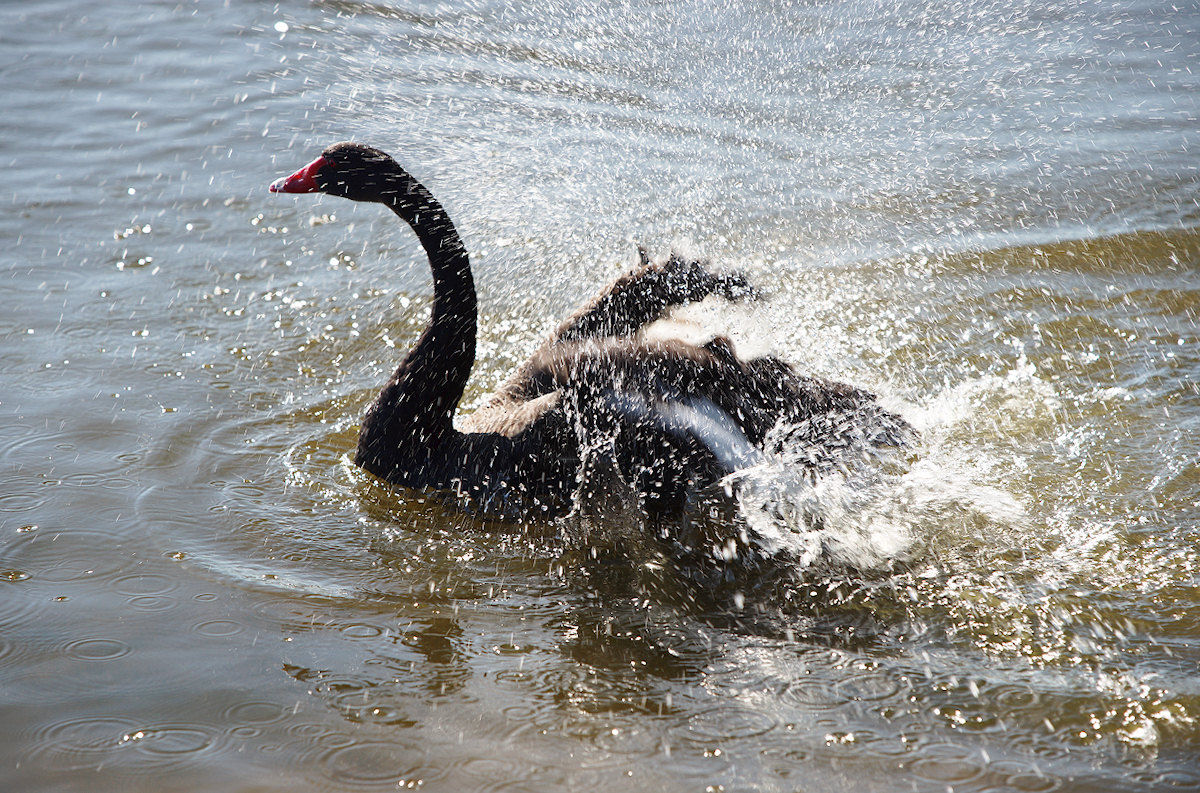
[(987, 212)]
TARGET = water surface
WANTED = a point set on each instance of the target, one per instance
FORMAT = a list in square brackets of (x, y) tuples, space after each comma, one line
[(989, 213)]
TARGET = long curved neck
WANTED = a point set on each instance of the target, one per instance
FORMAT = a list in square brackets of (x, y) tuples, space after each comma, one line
[(413, 415)]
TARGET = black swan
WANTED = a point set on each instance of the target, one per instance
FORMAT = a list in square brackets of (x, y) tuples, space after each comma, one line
[(595, 401)]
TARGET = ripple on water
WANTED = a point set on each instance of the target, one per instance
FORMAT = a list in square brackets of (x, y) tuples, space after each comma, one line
[(168, 744), (152, 603), (252, 714), (309, 732), (1013, 698), (79, 743), (1021, 778), (16, 503), (148, 592), (145, 584), (726, 724), (218, 628), (1029, 742), (515, 678), (21, 607), (512, 769), (539, 691), (100, 450), (1176, 779), (96, 649), (361, 631), (96, 480), (787, 762), (627, 744), (377, 763), (361, 700), (815, 693), (868, 687), (947, 764), (12, 432), (694, 762), (375, 705), (70, 555)]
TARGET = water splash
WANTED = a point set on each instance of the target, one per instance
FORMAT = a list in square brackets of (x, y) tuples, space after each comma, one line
[(870, 509)]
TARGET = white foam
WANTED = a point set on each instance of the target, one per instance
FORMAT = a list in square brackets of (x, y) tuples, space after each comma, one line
[(875, 509)]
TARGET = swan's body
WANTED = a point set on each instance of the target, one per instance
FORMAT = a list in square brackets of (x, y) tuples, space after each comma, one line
[(592, 397)]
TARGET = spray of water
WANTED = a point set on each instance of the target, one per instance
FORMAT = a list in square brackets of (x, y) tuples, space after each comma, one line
[(865, 508)]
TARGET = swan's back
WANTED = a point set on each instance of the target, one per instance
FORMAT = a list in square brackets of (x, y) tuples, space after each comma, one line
[(675, 417)]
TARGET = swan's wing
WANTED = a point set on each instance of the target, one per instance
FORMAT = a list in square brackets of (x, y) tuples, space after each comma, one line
[(646, 294), (509, 417), (624, 307), (679, 386), (756, 394)]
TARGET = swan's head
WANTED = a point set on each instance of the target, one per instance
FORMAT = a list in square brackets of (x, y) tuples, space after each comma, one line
[(349, 170)]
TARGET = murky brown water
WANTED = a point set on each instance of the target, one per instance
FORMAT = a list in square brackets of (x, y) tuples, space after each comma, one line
[(989, 213)]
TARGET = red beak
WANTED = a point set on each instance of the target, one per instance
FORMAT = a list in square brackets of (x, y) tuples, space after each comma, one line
[(303, 180)]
